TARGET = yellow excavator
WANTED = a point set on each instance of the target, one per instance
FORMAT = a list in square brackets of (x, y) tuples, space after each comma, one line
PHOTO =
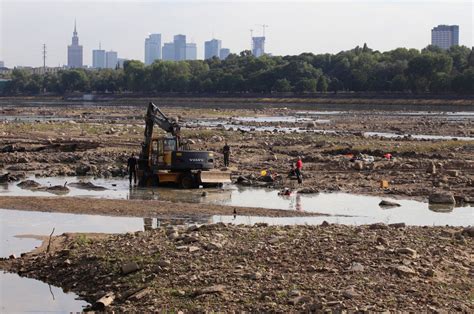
[(168, 159)]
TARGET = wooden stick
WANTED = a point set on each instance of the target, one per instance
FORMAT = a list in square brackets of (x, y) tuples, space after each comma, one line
[(49, 242)]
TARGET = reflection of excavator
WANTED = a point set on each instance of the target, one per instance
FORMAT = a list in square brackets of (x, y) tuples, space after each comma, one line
[(167, 160)]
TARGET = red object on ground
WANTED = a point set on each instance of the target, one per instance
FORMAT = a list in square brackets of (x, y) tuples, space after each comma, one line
[(388, 156), (299, 164)]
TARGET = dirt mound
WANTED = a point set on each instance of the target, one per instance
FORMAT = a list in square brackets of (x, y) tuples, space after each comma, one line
[(87, 186), (29, 185)]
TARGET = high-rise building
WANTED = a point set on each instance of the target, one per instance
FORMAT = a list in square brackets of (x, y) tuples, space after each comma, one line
[(179, 47), (258, 46), (2, 64), (98, 58), (120, 62), (212, 48), (168, 51), (224, 53), (445, 36), (74, 51), (191, 51), (152, 48), (111, 59)]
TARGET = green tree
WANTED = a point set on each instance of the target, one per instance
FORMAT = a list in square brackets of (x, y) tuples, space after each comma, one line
[(282, 85), (323, 84)]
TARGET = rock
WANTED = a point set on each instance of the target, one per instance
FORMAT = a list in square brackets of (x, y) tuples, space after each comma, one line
[(469, 231), (378, 226), (382, 241), (349, 293), (213, 246), (308, 190), (13, 256), (164, 263), (452, 173), (356, 267), (211, 290), (385, 203), (359, 165), (87, 186), (129, 268), (192, 249), (397, 225), (29, 184), (299, 300), (57, 189), (403, 270), (407, 251), (254, 276), (82, 169), (431, 168), (5, 178), (192, 228), (442, 198)]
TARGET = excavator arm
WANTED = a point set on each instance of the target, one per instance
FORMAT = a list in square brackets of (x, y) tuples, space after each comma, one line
[(153, 117)]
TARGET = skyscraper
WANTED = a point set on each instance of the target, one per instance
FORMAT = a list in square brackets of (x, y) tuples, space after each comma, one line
[(152, 48), (224, 53), (111, 59), (445, 36), (98, 58), (212, 48), (2, 64), (191, 51), (168, 51), (74, 51), (179, 47), (258, 46)]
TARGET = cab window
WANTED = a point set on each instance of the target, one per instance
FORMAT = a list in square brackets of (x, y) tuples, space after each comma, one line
[(169, 144)]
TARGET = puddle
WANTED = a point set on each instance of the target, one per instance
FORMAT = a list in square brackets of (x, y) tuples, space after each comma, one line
[(21, 295), (18, 227)]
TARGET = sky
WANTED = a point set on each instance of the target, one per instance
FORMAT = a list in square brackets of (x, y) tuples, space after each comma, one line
[(294, 27)]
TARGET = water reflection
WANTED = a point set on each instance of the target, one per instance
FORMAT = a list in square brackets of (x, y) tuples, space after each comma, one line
[(41, 297)]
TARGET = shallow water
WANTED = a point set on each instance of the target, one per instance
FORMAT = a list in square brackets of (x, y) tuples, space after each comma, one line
[(21, 295), (361, 208)]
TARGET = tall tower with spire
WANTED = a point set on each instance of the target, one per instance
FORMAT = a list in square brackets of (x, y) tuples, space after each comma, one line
[(74, 51)]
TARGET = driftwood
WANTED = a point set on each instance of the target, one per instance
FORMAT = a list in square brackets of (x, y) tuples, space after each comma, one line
[(49, 241), (103, 302), (140, 294)]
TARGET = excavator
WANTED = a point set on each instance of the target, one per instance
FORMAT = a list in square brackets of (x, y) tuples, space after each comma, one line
[(169, 160)]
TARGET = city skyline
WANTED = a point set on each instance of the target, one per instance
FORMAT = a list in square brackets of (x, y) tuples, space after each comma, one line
[(309, 31)]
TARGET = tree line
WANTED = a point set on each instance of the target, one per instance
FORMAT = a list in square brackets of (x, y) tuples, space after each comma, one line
[(359, 70)]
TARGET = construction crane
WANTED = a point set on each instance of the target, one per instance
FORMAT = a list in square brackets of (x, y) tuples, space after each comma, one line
[(263, 28)]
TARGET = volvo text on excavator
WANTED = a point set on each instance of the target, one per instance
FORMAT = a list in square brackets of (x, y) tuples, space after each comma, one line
[(168, 159)]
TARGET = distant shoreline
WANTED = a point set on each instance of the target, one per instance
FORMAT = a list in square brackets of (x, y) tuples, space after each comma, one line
[(347, 101)]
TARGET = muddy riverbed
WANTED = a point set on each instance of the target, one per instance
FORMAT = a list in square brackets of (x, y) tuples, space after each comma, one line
[(244, 265)]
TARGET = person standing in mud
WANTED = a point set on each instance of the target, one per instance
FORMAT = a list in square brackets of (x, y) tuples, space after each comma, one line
[(299, 166), (226, 152), (132, 169)]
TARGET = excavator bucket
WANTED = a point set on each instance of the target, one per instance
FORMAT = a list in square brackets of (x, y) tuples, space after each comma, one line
[(215, 176)]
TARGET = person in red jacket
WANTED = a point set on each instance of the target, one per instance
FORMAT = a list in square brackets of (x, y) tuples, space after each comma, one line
[(299, 166)]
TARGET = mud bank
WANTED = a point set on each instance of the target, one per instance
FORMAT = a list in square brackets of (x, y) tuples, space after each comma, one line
[(237, 268), (136, 208)]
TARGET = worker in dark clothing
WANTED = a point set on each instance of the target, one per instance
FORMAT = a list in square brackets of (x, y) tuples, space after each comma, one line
[(132, 169), (226, 152), (299, 166)]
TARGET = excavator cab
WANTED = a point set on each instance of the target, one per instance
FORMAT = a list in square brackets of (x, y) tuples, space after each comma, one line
[(162, 151)]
